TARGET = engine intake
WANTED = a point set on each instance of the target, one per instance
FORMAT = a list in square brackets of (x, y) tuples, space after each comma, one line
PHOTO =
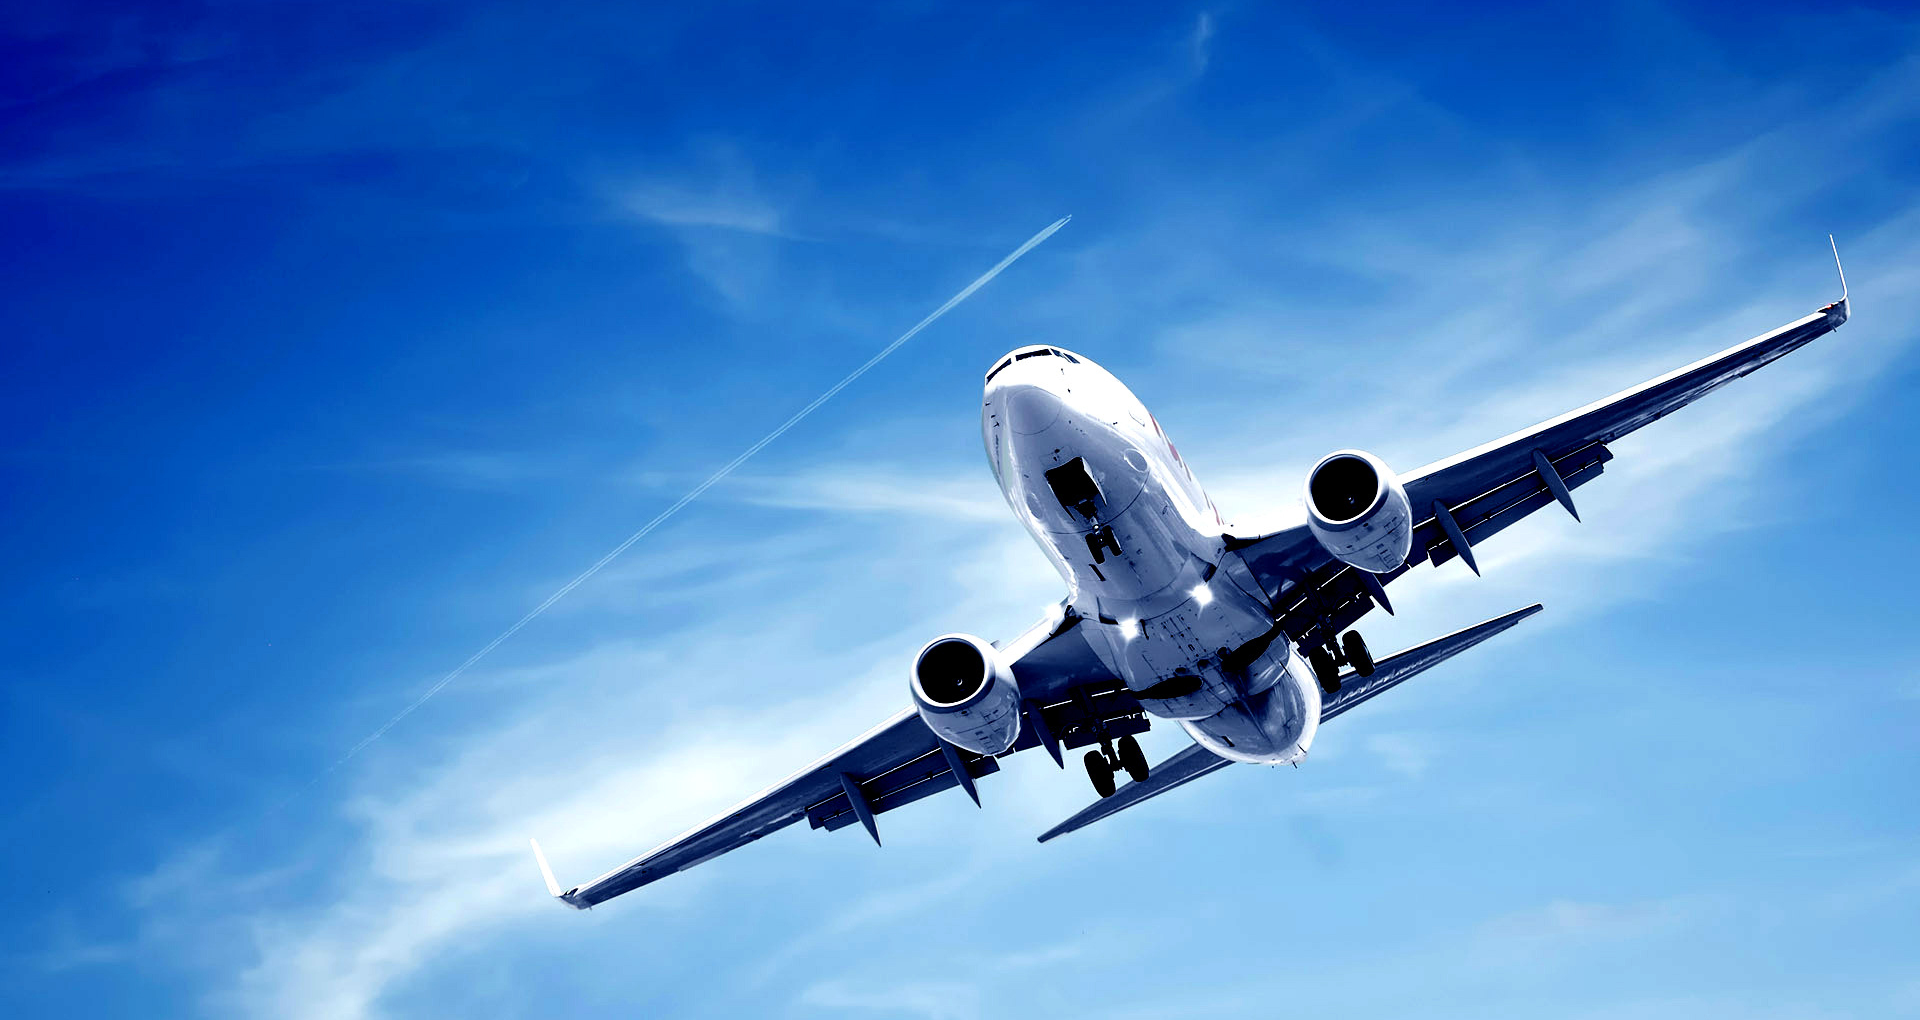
[(1359, 511), (966, 695)]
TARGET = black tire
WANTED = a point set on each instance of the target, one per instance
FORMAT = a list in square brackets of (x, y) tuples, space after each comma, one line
[(1356, 648), (1324, 669), (1101, 775), (1133, 759)]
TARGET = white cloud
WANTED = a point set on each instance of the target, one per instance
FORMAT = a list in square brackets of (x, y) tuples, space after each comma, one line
[(935, 1000), (1404, 753), (67, 949), (1200, 42), (1530, 931), (601, 756), (482, 470), (866, 488), (678, 205), (717, 208)]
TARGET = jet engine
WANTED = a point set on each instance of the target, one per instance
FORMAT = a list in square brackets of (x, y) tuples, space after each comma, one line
[(967, 694), (1358, 510)]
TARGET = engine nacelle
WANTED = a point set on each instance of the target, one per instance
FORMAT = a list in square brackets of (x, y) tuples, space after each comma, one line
[(966, 694), (1358, 510)]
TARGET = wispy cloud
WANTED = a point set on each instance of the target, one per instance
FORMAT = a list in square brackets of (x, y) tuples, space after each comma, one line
[(1530, 931), (478, 470), (443, 851), (867, 991), (679, 205), (1404, 753), (934, 1000), (66, 950), (879, 489), (694, 493), (1200, 42)]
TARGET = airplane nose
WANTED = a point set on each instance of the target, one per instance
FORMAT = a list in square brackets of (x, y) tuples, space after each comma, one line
[(1031, 409)]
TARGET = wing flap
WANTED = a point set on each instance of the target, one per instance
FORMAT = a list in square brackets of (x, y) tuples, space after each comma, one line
[(1490, 513), (876, 751), (920, 778)]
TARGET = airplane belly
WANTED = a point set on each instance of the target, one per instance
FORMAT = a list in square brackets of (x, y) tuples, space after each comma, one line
[(1137, 554), (1275, 723)]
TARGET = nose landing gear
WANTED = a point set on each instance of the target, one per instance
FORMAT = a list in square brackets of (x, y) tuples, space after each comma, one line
[(1113, 757)]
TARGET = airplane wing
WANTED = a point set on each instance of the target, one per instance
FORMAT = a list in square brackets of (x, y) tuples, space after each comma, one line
[(1193, 762), (1463, 500), (1066, 690)]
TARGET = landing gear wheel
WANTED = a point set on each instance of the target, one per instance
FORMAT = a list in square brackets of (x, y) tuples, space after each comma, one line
[(1101, 773), (1355, 647), (1132, 759), (1324, 669)]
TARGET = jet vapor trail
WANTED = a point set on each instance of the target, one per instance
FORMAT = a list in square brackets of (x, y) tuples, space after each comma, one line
[(698, 490)]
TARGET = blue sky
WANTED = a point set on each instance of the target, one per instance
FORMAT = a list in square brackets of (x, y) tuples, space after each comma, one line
[(338, 336)]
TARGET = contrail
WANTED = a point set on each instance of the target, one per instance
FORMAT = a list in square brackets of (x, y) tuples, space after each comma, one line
[(698, 490)]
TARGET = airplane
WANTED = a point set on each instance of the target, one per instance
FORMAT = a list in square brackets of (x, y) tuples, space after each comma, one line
[(1244, 641)]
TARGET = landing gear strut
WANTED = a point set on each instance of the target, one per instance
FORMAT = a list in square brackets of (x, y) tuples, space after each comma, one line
[(1113, 757)]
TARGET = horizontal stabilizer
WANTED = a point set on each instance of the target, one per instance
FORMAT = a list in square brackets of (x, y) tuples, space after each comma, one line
[(1179, 770), (1394, 669), (1196, 761)]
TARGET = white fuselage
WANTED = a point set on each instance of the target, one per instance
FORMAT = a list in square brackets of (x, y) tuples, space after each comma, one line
[(1176, 615)]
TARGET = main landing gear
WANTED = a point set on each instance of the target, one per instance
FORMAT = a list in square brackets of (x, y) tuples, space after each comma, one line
[(1113, 757), (1350, 650), (1357, 655)]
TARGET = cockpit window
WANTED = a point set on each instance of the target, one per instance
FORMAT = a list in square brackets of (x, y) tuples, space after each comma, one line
[(1038, 352)]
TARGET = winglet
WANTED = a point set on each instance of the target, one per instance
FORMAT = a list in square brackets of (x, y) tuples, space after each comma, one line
[(546, 872), (1840, 307), (1836, 265)]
